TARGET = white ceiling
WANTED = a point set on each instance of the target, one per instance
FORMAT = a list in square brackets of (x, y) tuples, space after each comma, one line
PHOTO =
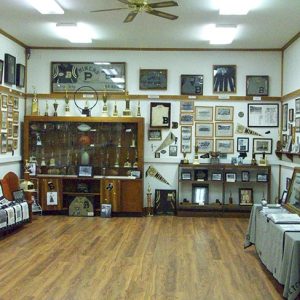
[(270, 25)]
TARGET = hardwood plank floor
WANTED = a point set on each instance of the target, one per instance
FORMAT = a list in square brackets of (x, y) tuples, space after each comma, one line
[(165, 257)]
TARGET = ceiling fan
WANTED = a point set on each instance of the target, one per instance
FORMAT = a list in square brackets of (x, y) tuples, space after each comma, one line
[(137, 6)]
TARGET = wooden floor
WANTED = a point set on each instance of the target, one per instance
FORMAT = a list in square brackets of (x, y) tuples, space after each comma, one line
[(165, 257)]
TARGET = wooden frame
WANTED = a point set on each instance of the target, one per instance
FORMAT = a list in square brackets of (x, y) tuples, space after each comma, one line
[(225, 146), (297, 106), (204, 145), (257, 85), (191, 84), (242, 144), (4, 119), (263, 115), (284, 116), (186, 139), (204, 113), (9, 69), (153, 79), (1, 70), (297, 124), (224, 129), (16, 103), (186, 106), (246, 196), (204, 130), (3, 142), (20, 78), (224, 113), (154, 135), (186, 118), (160, 114), (261, 145), (224, 79), (4, 99)]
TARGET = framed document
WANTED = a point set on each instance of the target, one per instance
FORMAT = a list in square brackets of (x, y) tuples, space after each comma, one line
[(160, 114), (263, 115), (257, 85), (203, 113), (186, 139)]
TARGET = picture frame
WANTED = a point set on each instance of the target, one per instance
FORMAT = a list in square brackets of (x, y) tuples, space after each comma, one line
[(9, 144), (291, 115), (3, 142), (20, 76), (262, 177), (4, 120), (204, 145), (15, 144), (85, 171), (246, 196), (216, 176), (160, 114), (200, 194), (186, 106), (288, 181), (245, 176), (32, 168), (257, 85), (242, 144), (224, 113), (153, 79), (186, 118), (263, 115), (204, 130), (4, 100), (135, 173), (224, 129), (164, 202), (203, 113), (186, 139), (224, 78), (297, 124), (225, 146), (173, 150), (230, 177), (186, 175), (201, 174), (285, 116), (15, 117), (154, 135), (9, 69), (261, 145), (1, 70), (297, 106), (16, 103), (15, 131), (9, 129), (191, 84), (105, 76), (283, 198)]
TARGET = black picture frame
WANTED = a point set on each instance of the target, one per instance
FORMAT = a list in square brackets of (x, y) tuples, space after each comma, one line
[(262, 178), (9, 69), (85, 171), (245, 176), (191, 84), (153, 79), (262, 146), (186, 175), (242, 144), (160, 115), (291, 115), (1, 70), (154, 135), (20, 78), (246, 196), (216, 176), (173, 150), (230, 177), (224, 79), (257, 85), (164, 202), (283, 198), (263, 115)]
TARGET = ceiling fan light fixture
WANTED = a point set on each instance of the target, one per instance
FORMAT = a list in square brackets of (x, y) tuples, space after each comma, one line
[(47, 7), (222, 34), (234, 7), (75, 33)]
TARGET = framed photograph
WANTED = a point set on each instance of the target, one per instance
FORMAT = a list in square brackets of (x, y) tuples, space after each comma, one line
[(230, 177), (186, 175), (9, 111), (216, 176), (223, 129), (32, 168), (85, 171), (186, 139), (224, 113), (16, 103), (172, 150), (186, 118), (283, 198), (15, 116), (1, 70), (245, 176), (10, 100), (15, 131), (203, 113), (186, 106), (297, 105), (9, 129), (154, 135), (200, 194), (204, 130), (225, 146), (4, 120), (284, 116), (157, 154), (288, 183), (262, 178), (191, 85), (242, 144), (160, 114), (9, 69), (204, 145), (9, 145), (245, 196), (69, 76), (20, 78), (3, 142), (15, 144), (152, 79), (257, 85), (297, 124), (224, 78), (291, 115), (52, 198), (263, 115), (4, 100), (164, 202), (261, 146)]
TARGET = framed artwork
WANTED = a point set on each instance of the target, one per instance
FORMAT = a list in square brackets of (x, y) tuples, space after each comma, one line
[(32, 168), (245, 176), (216, 176), (285, 116), (10, 100), (1, 70), (200, 194), (242, 144), (262, 177), (225, 146), (186, 118), (204, 130), (4, 120), (223, 129), (245, 196), (257, 85), (261, 145), (20, 78), (9, 129), (85, 171), (9, 69), (164, 202), (154, 135), (3, 142), (297, 124), (297, 105), (291, 115), (224, 79), (230, 177), (172, 150), (186, 106), (9, 145), (263, 115), (9, 111), (186, 175), (152, 79), (160, 114), (204, 145), (203, 113), (15, 115), (15, 144), (191, 85), (224, 113), (16, 103), (4, 100), (186, 139)]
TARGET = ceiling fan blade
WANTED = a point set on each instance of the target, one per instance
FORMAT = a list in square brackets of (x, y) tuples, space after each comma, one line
[(130, 17), (110, 9), (124, 1), (162, 14), (163, 4)]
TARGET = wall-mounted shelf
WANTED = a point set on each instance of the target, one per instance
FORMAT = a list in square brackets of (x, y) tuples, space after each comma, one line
[(289, 155)]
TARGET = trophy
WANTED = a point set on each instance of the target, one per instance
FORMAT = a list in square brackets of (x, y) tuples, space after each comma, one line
[(230, 200), (35, 104), (52, 161), (38, 140), (263, 161), (105, 107), (214, 159), (253, 160), (127, 163), (67, 107), (115, 113), (132, 141), (46, 109), (149, 202), (55, 105), (138, 112), (135, 164), (185, 160), (117, 163), (196, 157), (127, 111)]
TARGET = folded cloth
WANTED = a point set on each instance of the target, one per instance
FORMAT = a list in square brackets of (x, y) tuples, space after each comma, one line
[(284, 218)]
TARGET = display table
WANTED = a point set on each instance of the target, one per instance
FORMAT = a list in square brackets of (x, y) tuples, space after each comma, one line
[(277, 245)]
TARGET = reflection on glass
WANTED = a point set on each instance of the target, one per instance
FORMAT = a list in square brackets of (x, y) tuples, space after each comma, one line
[(200, 194)]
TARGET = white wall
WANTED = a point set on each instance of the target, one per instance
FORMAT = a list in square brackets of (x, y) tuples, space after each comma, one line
[(9, 162)]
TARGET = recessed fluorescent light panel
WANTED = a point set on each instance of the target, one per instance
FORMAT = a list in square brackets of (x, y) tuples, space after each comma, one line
[(47, 7), (75, 33), (234, 7), (222, 34)]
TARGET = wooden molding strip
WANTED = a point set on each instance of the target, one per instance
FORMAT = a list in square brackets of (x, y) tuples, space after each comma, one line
[(291, 41), (12, 38), (291, 95), (6, 90)]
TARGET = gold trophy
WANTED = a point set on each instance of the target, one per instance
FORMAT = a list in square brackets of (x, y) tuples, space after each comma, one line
[(135, 164), (138, 113), (133, 141), (67, 107), (46, 109), (117, 162), (105, 107), (196, 157), (55, 105), (127, 163), (115, 113), (127, 111), (35, 104)]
